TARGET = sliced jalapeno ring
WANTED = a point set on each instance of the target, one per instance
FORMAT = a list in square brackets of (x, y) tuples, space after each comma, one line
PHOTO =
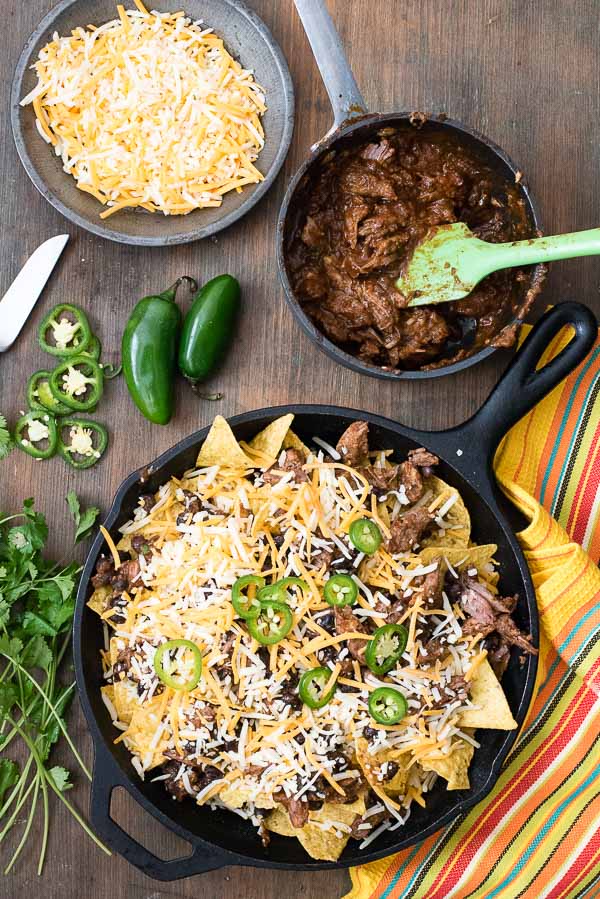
[(365, 536), (78, 383), (311, 687), (340, 590), (93, 349), (385, 649), (165, 649), (273, 622), (387, 706), (70, 330), (39, 395), (87, 442), (247, 604), (36, 434), (279, 591)]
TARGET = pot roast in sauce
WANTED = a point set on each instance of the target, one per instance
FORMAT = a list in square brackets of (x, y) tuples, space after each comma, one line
[(360, 217)]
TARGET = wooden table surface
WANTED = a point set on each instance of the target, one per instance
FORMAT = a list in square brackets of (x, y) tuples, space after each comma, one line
[(525, 74)]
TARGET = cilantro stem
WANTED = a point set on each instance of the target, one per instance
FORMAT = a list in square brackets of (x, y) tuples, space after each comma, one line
[(46, 827), (17, 789), (47, 777), (50, 705), (17, 809), (25, 834)]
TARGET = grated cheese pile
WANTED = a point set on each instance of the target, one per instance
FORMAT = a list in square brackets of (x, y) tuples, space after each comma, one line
[(149, 110), (203, 532)]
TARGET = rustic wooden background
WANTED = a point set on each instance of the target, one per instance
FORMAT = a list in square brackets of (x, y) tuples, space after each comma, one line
[(525, 73)]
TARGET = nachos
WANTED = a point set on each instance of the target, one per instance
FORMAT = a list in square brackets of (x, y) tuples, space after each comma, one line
[(306, 636)]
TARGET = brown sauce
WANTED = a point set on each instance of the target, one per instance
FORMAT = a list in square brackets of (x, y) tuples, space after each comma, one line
[(360, 217)]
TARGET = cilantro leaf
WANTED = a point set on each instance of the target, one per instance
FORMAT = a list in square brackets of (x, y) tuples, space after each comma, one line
[(9, 776), (37, 601), (85, 521), (37, 654), (60, 778), (6, 441), (8, 698)]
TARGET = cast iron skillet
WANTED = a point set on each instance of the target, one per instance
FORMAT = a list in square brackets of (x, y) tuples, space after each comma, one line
[(246, 37), (220, 838), (354, 125)]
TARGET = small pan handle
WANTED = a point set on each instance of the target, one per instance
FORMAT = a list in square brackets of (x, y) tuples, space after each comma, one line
[(346, 99), (203, 858), (522, 385)]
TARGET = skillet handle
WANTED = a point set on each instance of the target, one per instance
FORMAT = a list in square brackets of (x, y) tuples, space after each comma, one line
[(344, 94), (203, 858), (521, 386)]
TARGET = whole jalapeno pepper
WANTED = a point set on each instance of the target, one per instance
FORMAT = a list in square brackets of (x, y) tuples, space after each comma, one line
[(208, 328), (149, 353)]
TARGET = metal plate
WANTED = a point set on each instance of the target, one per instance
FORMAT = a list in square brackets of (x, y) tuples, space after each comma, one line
[(246, 37)]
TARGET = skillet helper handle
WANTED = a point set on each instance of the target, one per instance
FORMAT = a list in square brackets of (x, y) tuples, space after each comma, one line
[(202, 859), (344, 94), (522, 386)]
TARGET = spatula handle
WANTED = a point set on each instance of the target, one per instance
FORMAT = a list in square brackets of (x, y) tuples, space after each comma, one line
[(542, 249)]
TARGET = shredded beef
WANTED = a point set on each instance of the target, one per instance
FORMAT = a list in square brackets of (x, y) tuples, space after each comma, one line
[(488, 614), (457, 688), (411, 480), (424, 460), (297, 809), (353, 445), (408, 529), (105, 570), (346, 622), (293, 460), (359, 832), (382, 480), (360, 219)]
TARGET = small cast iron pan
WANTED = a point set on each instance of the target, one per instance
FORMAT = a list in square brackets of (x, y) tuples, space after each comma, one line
[(219, 838), (354, 125), (246, 37)]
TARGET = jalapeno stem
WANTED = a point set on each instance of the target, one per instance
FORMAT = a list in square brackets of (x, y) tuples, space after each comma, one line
[(171, 292)]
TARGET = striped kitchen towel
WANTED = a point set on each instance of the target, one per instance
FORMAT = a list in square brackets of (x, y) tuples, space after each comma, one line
[(538, 834)]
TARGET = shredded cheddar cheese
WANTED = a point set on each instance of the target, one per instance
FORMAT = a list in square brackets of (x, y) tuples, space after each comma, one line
[(149, 110)]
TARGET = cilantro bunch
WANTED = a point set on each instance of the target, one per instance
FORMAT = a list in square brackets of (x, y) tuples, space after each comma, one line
[(37, 601)]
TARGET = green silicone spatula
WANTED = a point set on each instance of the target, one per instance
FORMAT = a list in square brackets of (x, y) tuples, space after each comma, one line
[(451, 261)]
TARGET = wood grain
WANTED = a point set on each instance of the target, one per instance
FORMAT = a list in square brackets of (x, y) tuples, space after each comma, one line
[(525, 74)]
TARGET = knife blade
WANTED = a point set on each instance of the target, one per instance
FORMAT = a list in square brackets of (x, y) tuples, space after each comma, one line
[(21, 296)]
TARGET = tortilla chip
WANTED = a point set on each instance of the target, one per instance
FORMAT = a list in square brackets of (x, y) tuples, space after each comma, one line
[(237, 794), (454, 767), (493, 711), (371, 762), (278, 821), (292, 441), (461, 558), (142, 728), (270, 440), (221, 448), (124, 695), (459, 531), (124, 544), (324, 845), (98, 599)]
